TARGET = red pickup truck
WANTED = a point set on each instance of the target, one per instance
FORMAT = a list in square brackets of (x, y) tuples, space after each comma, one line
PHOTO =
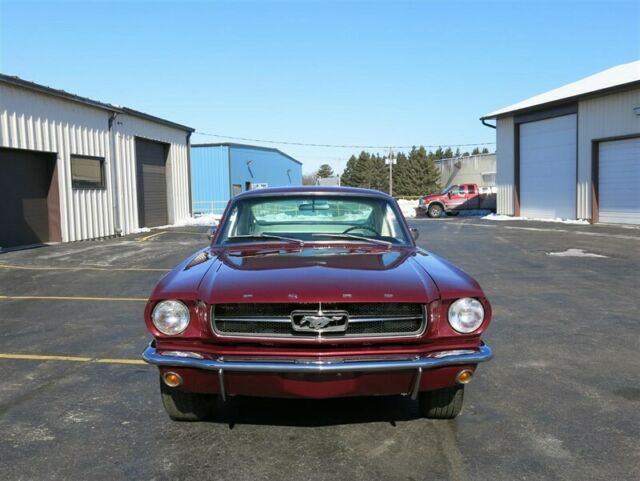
[(454, 199)]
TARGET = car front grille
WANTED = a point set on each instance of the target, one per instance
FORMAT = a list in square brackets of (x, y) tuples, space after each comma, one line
[(349, 320)]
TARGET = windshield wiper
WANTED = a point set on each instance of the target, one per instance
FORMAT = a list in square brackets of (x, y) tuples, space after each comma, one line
[(356, 237), (267, 236)]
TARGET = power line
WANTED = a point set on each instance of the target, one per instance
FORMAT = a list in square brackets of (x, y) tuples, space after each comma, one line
[(339, 146)]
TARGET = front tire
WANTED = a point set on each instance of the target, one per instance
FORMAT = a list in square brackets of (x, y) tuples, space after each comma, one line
[(445, 403), (435, 211), (186, 406)]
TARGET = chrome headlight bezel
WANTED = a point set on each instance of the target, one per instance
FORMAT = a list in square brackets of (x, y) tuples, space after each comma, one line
[(171, 317), (466, 315)]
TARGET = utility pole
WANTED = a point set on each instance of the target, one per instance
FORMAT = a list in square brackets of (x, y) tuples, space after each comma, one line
[(390, 160)]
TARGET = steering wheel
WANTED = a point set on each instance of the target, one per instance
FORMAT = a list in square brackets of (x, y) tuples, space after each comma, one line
[(362, 227)]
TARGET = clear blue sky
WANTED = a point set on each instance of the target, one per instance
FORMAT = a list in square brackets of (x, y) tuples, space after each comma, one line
[(383, 73)]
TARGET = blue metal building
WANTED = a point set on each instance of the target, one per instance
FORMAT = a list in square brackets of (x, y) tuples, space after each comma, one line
[(220, 171)]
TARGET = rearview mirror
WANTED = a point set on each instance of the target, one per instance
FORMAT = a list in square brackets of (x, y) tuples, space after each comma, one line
[(415, 233), (314, 206)]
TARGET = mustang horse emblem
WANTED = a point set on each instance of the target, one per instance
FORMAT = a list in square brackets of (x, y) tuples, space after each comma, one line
[(318, 322)]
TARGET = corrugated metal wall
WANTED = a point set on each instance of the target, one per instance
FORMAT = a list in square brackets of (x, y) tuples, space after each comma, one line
[(599, 117), (210, 181), (505, 158), (45, 123), (125, 130), (608, 116), (216, 168), (267, 167)]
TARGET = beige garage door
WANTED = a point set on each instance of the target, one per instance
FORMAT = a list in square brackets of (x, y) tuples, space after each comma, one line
[(548, 168), (619, 181)]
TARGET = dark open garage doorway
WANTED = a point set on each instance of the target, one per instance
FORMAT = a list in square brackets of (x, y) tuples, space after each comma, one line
[(29, 198), (151, 162)]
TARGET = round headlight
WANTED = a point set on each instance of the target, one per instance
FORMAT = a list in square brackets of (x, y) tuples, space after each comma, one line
[(466, 315), (170, 317)]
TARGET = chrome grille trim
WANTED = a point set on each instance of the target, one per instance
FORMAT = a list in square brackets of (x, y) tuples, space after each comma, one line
[(410, 322)]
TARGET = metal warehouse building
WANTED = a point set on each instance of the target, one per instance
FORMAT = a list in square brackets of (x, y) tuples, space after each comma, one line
[(573, 152), (72, 168), (220, 171), (470, 169)]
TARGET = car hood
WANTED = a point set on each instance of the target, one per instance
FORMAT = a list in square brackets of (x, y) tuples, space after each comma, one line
[(318, 275)]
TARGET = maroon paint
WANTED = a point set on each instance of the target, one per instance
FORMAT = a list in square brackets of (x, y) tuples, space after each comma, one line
[(317, 386), (367, 272)]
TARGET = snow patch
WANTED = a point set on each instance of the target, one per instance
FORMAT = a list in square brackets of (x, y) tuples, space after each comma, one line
[(501, 217), (574, 253), (408, 207), (207, 220)]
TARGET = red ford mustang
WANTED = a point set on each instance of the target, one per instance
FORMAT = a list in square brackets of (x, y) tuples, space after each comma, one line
[(315, 292)]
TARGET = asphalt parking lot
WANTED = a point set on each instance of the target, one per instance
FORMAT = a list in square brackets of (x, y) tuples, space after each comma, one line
[(561, 399)]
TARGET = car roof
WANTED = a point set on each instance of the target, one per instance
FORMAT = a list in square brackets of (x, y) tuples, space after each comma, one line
[(313, 189)]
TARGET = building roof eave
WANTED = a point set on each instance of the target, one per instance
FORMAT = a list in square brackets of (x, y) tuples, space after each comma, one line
[(618, 78), (43, 89)]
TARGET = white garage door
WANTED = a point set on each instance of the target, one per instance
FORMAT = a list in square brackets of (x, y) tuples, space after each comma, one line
[(548, 168), (619, 180)]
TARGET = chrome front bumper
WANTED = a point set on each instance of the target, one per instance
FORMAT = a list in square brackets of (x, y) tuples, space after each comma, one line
[(328, 365), (324, 365)]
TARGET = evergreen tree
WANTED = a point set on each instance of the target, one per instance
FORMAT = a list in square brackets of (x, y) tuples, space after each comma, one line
[(414, 173), (485, 151), (475, 151), (349, 175), (324, 171), (401, 176)]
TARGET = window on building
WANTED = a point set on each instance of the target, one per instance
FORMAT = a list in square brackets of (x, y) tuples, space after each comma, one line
[(237, 188), (87, 172)]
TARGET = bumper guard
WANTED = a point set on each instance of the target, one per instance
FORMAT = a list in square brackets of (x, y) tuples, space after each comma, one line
[(328, 365)]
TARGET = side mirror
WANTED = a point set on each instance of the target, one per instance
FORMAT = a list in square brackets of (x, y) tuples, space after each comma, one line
[(449, 194), (415, 233), (211, 232)]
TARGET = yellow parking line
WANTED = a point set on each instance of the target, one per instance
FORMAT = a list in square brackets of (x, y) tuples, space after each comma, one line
[(39, 357), (119, 361), (74, 298), (152, 236), (81, 268)]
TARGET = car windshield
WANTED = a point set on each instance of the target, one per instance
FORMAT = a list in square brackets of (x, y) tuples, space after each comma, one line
[(313, 218), (449, 189)]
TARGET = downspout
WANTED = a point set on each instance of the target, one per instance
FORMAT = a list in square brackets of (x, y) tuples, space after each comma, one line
[(115, 180), (189, 172), (486, 124)]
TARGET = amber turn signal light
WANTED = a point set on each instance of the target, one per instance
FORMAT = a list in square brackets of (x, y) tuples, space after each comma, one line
[(465, 376), (172, 379)]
